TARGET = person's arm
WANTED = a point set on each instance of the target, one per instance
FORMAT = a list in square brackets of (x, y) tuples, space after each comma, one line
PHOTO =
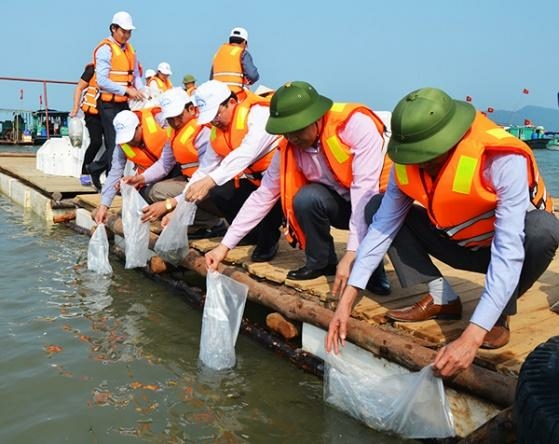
[(162, 167), (508, 176), (385, 226), (255, 208), (256, 143), (78, 91), (365, 143), (115, 174), (249, 69)]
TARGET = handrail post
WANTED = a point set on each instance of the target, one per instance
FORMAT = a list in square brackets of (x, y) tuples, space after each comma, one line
[(46, 108)]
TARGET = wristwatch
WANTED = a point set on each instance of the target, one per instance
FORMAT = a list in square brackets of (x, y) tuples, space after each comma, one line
[(169, 204)]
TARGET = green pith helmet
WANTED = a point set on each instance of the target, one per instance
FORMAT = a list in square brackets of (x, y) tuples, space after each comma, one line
[(188, 78), (294, 106), (427, 123)]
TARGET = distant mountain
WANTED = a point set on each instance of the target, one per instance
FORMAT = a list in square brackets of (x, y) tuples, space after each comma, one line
[(546, 117)]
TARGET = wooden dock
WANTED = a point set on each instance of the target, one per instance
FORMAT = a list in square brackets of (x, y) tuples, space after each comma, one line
[(534, 323)]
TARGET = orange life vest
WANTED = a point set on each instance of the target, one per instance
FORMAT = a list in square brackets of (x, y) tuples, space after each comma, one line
[(227, 67), (163, 85), (89, 98), (225, 142), (338, 156), (122, 68), (154, 138), (184, 150), (459, 201)]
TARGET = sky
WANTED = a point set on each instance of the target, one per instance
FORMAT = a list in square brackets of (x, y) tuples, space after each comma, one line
[(362, 51)]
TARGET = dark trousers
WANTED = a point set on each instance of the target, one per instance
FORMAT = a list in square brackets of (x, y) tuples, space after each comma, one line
[(418, 238), (95, 129), (107, 111), (316, 208), (228, 199)]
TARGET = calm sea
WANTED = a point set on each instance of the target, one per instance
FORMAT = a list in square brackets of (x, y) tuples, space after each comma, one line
[(114, 360)]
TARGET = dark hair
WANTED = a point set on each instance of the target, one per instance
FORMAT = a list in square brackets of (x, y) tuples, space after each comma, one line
[(231, 96), (234, 39)]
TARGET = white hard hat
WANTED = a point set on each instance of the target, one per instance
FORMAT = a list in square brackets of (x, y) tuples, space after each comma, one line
[(125, 123), (239, 32), (173, 102), (207, 97), (164, 68), (124, 20)]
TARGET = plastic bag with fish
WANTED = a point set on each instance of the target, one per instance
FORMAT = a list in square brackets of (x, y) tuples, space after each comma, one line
[(223, 312), (98, 252), (136, 232), (172, 244)]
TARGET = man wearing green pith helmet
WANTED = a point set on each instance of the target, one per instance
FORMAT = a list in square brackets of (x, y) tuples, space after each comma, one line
[(484, 208), (327, 168)]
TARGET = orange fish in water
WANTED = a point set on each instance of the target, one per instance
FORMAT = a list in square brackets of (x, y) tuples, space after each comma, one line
[(51, 349)]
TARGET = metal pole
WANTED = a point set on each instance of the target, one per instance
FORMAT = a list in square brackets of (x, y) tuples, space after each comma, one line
[(46, 108)]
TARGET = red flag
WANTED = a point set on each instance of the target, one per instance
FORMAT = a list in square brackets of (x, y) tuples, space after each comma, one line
[(468, 98), (21, 94), (490, 110), (525, 91), (527, 122)]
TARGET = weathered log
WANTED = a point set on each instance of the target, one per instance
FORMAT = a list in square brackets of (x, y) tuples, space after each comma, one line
[(486, 384), (64, 217), (277, 323), (498, 430)]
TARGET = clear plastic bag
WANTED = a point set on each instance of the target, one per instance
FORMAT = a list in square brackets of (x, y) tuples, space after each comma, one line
[(412, 405), (136, 232), (223, 312), (98, 252), (172, 244)]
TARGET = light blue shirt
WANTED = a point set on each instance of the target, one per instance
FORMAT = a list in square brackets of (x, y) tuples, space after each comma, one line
[(507, 175), (103, 57)]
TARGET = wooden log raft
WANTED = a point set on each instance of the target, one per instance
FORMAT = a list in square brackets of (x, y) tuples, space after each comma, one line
[(486, 384)]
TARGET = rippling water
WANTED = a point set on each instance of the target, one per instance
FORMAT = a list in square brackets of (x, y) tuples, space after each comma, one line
[(95, 360)]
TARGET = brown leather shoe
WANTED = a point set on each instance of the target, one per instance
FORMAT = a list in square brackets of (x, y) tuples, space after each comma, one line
[(499, 335), (426, 309)]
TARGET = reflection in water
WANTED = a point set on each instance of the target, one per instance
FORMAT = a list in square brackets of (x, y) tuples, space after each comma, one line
[(88, 358)]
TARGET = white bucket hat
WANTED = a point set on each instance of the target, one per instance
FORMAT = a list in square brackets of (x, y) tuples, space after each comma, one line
[(125, 123), (164, 68), (124, 20), (173, 102), (207, 97)]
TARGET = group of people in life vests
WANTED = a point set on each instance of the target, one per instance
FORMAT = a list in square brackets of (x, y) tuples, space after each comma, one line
[(446, 182)]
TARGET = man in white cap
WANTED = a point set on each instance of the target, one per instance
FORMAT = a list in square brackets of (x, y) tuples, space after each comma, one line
[(118, 77), (233, 65), (149, 74), (140, 139), (161, 81), (189, 141), (240, 151)]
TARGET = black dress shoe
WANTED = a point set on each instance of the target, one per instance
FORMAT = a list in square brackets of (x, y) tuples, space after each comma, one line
[(378, 282), (264, 254), (204, 233), (305, 273)]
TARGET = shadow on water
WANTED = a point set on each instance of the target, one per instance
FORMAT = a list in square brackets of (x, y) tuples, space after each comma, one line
[(115, 359)]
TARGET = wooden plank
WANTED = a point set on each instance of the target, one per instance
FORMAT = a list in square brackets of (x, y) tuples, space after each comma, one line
[(24, 169)]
